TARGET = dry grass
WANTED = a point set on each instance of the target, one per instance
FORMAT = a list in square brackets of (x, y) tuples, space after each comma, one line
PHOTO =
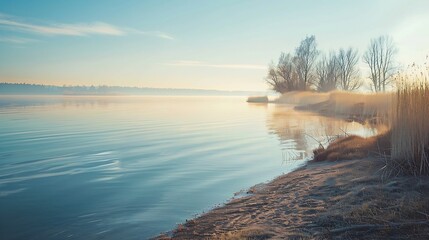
[(354, 147), (410, 126), (397, 208)]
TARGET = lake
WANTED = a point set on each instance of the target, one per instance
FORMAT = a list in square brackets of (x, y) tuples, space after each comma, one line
[(131, 167)]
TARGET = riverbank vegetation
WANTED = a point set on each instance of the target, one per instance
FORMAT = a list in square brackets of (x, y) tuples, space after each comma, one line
[(404, 112), (323, 83)]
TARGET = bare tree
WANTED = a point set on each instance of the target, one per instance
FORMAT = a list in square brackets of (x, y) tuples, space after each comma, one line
[(348, 69), (283, 77), (380, 59), (274, 80), (286, 70), (306, 55), (327, 73)]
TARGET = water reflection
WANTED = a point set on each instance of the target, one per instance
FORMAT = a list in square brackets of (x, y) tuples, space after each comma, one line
[(301, 132), (89, 101), (65, 101)]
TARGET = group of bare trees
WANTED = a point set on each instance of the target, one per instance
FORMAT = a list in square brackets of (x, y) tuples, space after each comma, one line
[(294, 72), (339, 70), (379, 58)]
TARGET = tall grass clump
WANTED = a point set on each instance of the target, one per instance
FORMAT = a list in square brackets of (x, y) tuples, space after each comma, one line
[(410, 125)]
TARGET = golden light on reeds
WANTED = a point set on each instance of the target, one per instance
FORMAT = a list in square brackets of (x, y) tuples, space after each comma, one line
[(410, 124)]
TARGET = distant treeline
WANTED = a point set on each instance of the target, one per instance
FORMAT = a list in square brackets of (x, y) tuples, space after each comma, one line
[(38, 89)]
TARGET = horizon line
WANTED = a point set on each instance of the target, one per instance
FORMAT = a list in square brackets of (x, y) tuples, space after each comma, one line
[(163, 88)]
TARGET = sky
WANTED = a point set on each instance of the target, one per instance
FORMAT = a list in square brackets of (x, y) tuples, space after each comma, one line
[(222, 44)]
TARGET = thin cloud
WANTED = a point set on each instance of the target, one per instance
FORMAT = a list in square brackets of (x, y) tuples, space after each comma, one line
[(62, 29), (79, 29), (157, 34), (16, 40), (203, 64)]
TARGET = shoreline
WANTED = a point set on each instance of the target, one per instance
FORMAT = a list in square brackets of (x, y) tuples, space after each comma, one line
[(327, 199), (283, 208)]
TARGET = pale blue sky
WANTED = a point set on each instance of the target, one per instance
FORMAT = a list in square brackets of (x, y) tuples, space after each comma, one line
[(189, 44)]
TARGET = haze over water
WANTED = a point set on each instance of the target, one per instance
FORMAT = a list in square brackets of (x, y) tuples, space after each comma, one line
[(132, 167)]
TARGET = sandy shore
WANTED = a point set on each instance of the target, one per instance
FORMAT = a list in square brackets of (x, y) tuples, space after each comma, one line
[(343, 199)]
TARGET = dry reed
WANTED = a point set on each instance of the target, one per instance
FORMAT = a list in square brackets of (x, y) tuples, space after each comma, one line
[(410, 126)]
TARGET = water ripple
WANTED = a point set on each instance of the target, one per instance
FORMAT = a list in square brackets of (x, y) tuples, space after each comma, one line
[(133, 167)]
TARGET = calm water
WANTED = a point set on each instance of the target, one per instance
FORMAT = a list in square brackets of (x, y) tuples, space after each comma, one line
[(132, 167)]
